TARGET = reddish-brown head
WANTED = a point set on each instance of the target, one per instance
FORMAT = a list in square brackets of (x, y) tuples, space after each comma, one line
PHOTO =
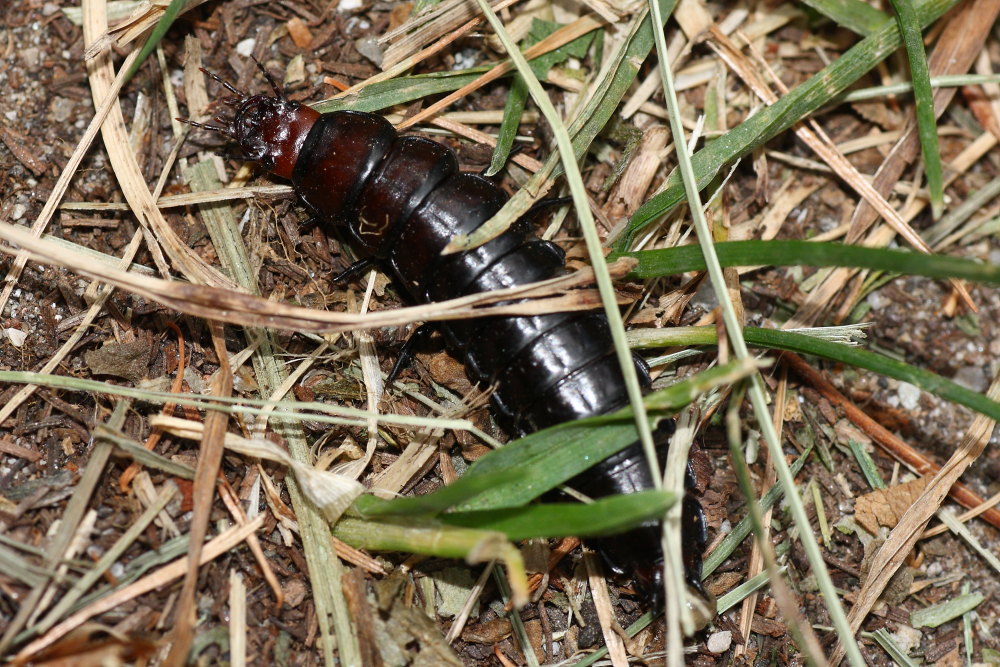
[(269, 128)]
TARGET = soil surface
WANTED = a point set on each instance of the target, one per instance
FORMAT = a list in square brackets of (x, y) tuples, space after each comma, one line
[(47, 443)]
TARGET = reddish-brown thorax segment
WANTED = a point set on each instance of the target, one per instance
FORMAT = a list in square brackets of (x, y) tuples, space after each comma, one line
[(293, 133), (272, 130)]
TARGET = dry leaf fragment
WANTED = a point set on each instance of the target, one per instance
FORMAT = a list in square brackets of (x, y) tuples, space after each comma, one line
[(125, 360), (95, 645), (884, 507), (880, 114), (846, 431), (26, 152), (489, 632), (399, 15), (768, 626)]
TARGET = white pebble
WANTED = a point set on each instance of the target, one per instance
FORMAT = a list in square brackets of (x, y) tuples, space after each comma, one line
[(878, 301), (909, 396), (15, 336), (907, 638), (245, 48), (349, 5), (719, 642)]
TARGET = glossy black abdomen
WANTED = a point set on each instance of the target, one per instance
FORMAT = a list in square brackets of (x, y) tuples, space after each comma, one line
[(403, 200)]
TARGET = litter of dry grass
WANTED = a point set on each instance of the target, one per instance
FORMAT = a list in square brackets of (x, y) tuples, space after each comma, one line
[(158, 522)]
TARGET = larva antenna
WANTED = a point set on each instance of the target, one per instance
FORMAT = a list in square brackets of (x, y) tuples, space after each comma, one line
[(279, 92), (206, 126), (230, 87)]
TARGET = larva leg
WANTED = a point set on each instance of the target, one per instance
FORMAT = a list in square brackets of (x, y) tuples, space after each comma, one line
[(405, 358), (355, 269)]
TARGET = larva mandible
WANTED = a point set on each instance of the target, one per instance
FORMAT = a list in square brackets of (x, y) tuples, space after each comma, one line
[(401, 199)]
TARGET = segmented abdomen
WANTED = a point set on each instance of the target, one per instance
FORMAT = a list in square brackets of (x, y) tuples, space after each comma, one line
[(403, 199)]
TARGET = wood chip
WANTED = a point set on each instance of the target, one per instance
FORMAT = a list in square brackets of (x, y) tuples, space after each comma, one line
[(693, 17), (768, 626), (7, 446), (300, 33)]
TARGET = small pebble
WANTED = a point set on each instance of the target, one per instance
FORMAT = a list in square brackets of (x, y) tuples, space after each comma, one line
[(878, 301), (369, 48), (245, 48), (907, 638), (909, 396), (15, 336), (30, 57), (719, 642), (972, 377), (62, 109)]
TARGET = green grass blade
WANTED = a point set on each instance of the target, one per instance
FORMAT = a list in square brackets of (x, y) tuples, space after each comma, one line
[(894, 650), (771, 121), (973, 203), (877, 363), (738, 594), (548, 458), (433, 538), (411, 536), (867, 465), (949, 610), (943, 81), (512, 111), (739, 533), (401, 90), (913, 39), (670, 261), (431, 504), (854, 15), (853, 356), (172, 11), (464, 534), (607, 516), (542, 64)]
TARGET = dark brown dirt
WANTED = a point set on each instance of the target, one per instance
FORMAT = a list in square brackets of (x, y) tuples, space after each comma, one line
[(47, 441)]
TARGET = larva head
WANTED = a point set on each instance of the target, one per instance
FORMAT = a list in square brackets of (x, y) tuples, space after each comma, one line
[(269, 128)]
